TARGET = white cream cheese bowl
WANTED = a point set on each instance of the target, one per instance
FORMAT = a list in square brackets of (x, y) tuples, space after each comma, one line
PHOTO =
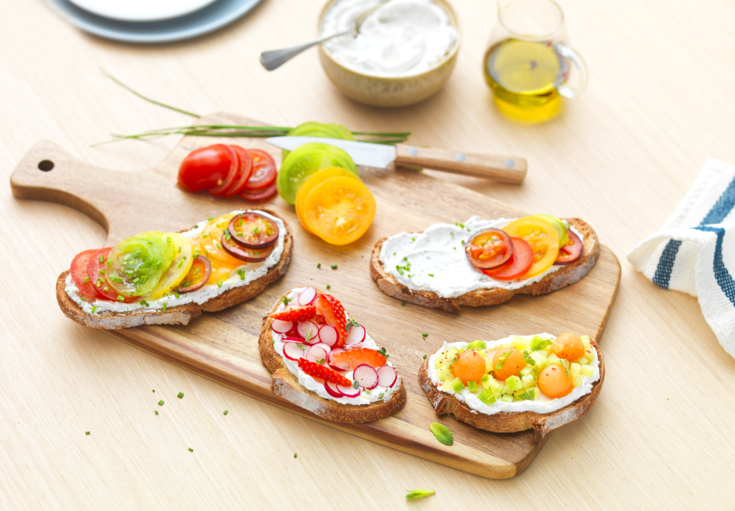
[(383, 89)]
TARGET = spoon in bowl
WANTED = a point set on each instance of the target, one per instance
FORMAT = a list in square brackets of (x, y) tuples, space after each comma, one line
[(273, 59)]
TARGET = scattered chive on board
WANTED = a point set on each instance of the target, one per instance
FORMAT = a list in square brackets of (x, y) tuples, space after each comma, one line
[(419, 494), (442, 433)]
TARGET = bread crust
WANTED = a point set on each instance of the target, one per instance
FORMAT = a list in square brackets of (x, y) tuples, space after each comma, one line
[(564, 277), (286, 385), (181, 314), (506, 422)]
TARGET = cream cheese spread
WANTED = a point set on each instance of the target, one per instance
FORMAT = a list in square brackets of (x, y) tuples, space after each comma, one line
[(366, 397), (438, 260), (541, 405), (250, 272), (400, 38)]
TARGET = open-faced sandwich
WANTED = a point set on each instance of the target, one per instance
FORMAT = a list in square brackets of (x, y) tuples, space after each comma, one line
[(484, 262), (517, 383), (324, 361), (168, 278)]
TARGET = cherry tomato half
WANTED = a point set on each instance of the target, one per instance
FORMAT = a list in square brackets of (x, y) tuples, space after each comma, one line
[(264, 170), (207, 168), (243, 174), (518, 264), (96, 271), (81, 278), (489, 249), (260, 194), (570, 252)]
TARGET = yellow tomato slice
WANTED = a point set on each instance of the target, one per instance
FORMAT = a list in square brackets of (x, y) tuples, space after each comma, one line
[(312, 182), (182, 250), (339, 210), (542, 237), (211, 243), (221, 273)]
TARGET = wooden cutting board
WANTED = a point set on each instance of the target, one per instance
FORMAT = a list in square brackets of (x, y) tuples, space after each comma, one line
[(223, 346)]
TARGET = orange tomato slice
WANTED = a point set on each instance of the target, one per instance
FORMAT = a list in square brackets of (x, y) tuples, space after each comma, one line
[(312, 182), (339, 210), (542, 237), (211, 245)]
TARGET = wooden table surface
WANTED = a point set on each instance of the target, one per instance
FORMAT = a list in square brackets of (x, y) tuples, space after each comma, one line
[(621, 156)]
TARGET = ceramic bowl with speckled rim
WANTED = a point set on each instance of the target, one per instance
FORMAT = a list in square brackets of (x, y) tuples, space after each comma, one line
[(391, 92)]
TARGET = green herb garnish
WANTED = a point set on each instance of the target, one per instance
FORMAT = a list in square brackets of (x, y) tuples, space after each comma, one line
[(403, 304), (224, 413), (425, 335), (318, 265), (442, 433), (86, 432), (529, 395), (329, 287), (334, 266), (180, 395), (419, 494), (528, 358), (165, 306), (477, 345), (286, 300), (160, 403), (502, 359), (355, 384), (191, 450)]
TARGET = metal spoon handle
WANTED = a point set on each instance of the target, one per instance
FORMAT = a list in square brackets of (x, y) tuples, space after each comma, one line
[(275, 58)]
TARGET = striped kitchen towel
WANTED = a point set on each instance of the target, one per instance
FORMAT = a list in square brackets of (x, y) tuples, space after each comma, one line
[(694, 252)]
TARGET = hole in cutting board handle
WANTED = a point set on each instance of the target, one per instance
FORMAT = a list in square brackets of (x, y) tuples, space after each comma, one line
[(45, 165)]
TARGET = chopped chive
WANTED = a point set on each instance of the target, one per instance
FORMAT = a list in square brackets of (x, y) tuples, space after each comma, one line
[(334, 266), (180, 395), (191, 450), (82, 299), (219, 246), (425, 356), (180, 263), (210, 219), (224, 413), (86, 432), (120, 298), (102, 258), (155, 411), (318, 265), (329, 287), (403, 304), (115, 278), (294, 455), (94, 308), (165, 305), (219, 284), (425, 335), (153, 390), (160, 403), (431, 274), (179, 250), (176, 294), (86, 280), (136, 254), (106, 288)]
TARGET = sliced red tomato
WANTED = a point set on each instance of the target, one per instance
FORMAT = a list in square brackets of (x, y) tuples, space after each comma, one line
[(489, 249), (81, 278), (518, 264), (260, 194), (243, 174), (570, 252), (264, 171), (208, 168), (96, 271), (225, 183)]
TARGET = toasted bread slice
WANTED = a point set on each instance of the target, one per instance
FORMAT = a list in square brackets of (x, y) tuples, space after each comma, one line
[(505, 422), (287, 386), (182, 314), (492, 296)]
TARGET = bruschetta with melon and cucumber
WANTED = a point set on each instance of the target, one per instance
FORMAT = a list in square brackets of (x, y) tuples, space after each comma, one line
[(484, 262), (168, 278), (322, 360), (538, 382)]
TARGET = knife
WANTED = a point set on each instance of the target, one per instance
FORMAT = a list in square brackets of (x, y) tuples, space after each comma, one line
[(504, 168)]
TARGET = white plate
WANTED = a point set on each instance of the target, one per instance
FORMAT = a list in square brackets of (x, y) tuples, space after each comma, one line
[(141, 10)]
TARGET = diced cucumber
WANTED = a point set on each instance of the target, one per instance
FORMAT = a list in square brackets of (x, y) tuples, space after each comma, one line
[(514, 383), (506, 389), (543, 353), (528, 381), (537, 393), (489, 364), (486, 381), (583, 360), (586, 340), (575, 368), (487, 397), (587, 371), (472, 385), (476, 345), (576, 380), (527, 370), (445, 374), (507, 398), (483, 353), (517, 342), (447, 386), (553, 359), (538, 357), (457, 385)]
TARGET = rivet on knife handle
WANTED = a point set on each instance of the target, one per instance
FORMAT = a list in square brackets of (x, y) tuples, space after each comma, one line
[(504, 168)]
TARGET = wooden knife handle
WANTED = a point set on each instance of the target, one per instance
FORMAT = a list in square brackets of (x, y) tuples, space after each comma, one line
[(504, 168)]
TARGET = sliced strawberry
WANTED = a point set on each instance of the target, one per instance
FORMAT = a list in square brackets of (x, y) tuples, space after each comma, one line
[(295, 315), (349, 360), (334, 314), (323, 373)]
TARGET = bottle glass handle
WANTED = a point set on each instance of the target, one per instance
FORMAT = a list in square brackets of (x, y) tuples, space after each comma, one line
[(580, 70)]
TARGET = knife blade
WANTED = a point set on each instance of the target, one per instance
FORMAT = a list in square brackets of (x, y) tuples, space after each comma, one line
[(505, 168)]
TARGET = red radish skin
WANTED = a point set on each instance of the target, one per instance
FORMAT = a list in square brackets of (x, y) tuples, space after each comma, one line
[(325, 348), (367, 376), (307, 296), (332, 389), (387, 376), (357, 335), (328, 335), (293, 339), (281, 327), (316, 353), (348, 391), (292, 351), (309, 326)]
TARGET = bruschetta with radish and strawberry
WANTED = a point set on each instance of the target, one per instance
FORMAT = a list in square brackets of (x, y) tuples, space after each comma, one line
[(484, 262), (324, 361)]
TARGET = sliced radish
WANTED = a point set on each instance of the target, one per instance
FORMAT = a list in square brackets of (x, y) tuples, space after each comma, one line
[(328, 335), (306, 328), (292, 351), (316, 353), (325, 347), (367, 376), (349, 391), (287, 338), (281, 327), (307, 296), (332, 389), (387, 376), (356, 335)]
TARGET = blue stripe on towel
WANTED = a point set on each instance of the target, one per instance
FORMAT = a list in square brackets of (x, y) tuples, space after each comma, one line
[(717, 214), (723, 277)]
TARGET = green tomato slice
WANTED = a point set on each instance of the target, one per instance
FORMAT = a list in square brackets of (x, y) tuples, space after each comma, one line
[(305, 161), (135, 266), (165, 241), (317, 129), (561, 229), (179, 267)]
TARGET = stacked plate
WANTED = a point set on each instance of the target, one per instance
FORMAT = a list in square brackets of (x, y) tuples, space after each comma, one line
[(151, 21)]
